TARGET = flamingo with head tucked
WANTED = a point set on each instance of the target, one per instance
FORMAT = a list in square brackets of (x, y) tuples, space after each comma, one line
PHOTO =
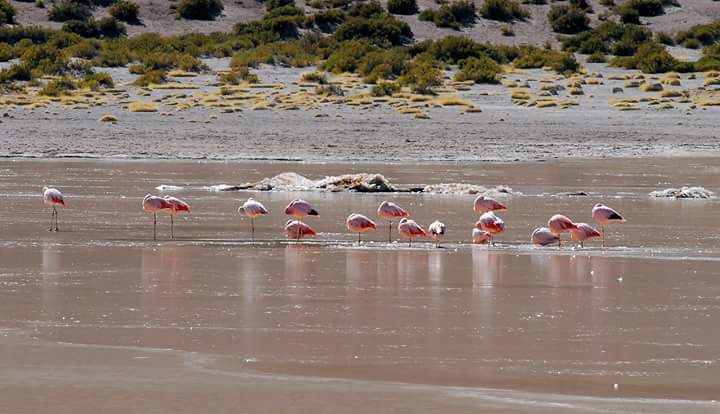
[(409, 229), (480, 236), (300, 208), (437, 231), (390, 211), (603, 215), (559, 224), (53, 197), (177, 206), (252, 209), (542, 236), (357, 223), (492, 224), (583, 232), (484, 204), (154, 204), (296, 229)]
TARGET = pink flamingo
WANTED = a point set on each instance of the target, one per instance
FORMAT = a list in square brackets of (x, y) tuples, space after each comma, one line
[(437, 231), (296, 229), (153, 204), (390, 211), (583, 232), (177, 206), (480, 236), (300, 208), (603, 215), (357, 223), (53, 197), (252, 209), (492, 224), (484, 204), (410, 229), (559, 224), (542, 236)]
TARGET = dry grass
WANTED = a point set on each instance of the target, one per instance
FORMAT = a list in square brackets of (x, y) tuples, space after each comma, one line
[(671, 93), (520, 94), (108, 118), (174, 85), (631, 84), (452, 100), (651, 87), (143, 106), (712, 81)]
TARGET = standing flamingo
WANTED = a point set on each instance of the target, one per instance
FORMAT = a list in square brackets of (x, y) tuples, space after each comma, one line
[(480, 236), (177, 206), (153, 204), (296, 229), (298, 209), (357, 223), (492, 224), (53, 197), (583, 232), (559, 224), (437, 231), (484, 204), (542, 236), (603, 215), (410, 229), (390, 211), (252, 209)]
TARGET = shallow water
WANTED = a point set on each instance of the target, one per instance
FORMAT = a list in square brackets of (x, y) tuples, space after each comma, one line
[(98, 315)]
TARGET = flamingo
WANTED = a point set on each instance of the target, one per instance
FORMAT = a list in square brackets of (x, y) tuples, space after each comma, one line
[(357, 223), (603, 215), (491, 223), (559, 224), (153, 204), (390, 211), (542, 236), (484, 204), (53, 197), (296, 229), (583, 232), (480, 236), (300, 208), (252, 209), (437, 231), (177, 206), (410, 229)]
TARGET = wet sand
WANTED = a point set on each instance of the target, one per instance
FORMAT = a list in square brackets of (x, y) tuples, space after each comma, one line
[(100, 317)]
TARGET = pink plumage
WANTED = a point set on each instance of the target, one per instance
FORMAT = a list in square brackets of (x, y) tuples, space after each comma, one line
[(542, 236), (409, 229), (299, 208), (480, 236), (53, 197), (176, 205), (357, 223), (559, 224), (296, 229), (390, 211), (582, 232), (603, 214), (484, 204), (252, 208)]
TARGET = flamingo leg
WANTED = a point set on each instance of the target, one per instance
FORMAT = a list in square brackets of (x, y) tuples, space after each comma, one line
[(410, 242), (172, 225), (252, 227), (52, 218), (56, 219), (390, 232), (154, 226), (359, 238), (602, 229), (582, 245)]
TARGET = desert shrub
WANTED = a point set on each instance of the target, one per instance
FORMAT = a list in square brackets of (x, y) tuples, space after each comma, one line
[(315, 77), (113, 54), (69, 10), (58, 87), (238, 75), (582, 5), (95, 81), (44, 60), (107, 27), (16, 72), (597, 57), (384, 88), (453, 49), (6, 52), (650, 57), (705, 34), (152, 77), (327, 20), (535, 57), (126, 11), (453, 15), (503, 10), (347, 56), (507, 31), (7, 12), (645, 7), (710, 59), (629, 15), (383, 64), (61, 40), (86, 49), (366, 9), (422, 76), (40, 4), (568, 20), (292, 53), (406, 7), (664, 38), (274, 4), (33, 34), (199, 9), (383, 30), (479, 70), (620, 39)]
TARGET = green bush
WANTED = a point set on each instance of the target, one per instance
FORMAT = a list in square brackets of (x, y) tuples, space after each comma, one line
[(384, 88), (6, 52), (479, 70), (620, 39), (315, 77), (406, 7), (383, 64), (383, 30), (16, 72), (347, 56), (568, 20), (274, 4), (646, 7), (328, 20), (86, 49), (7, 12), (199, 9), (152, 77), (453, 15), (113, 54), (535, 57), (597, 57), (32, 34), (503, 10), (422, 76), (97, 81), (629, 15), (664, 38), (366, 9), (126, 11), (238, 75), (107, 27), (58, 87), (650, 57), (69, 10), (44, 60), (292, 53)]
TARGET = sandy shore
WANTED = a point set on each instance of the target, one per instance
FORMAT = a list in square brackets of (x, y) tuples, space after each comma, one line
[(100, 317)]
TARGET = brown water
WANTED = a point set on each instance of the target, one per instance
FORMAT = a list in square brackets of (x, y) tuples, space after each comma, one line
[(100, 317)]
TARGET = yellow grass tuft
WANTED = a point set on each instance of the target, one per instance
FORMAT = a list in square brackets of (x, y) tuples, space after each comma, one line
[(174, 85), (142, 106), (632, 84), (108, 118), (707, 102), (651, 87), (712, 81), (547, 104), (671, 93), (420, 98), (576, 91), (181, 74), (712, 74), (421, 115), (520, 94), (452, 100)]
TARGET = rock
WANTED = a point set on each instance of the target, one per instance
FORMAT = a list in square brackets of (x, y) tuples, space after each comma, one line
[(684, 192)]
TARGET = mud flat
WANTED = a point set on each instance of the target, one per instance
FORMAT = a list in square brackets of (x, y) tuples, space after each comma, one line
[(99, 317)]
